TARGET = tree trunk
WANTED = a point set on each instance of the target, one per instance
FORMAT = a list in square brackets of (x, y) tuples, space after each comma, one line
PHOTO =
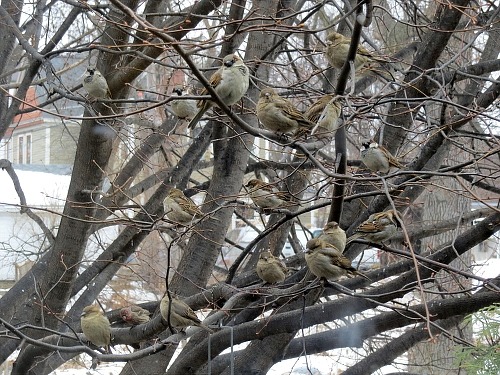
[(435, 356)]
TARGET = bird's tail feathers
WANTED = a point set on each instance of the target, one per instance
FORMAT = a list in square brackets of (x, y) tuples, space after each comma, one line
[(352, 238), (395, 163), (357, 273), (197, 117)]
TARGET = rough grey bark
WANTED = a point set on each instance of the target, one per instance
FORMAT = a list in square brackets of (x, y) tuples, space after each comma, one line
[(438, 205), (399, 116), (7, 44)]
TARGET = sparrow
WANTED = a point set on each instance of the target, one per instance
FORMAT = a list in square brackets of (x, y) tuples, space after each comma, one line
[(324, 113), (95, 84), (270, 269), (183, 108), (134, 315), (230, 83), (326, 261), (180, 208), (377, 158), (279, 114), (337, 48), (377, 228), (96, 327), (266, 196), (181, 315), (334, 235)]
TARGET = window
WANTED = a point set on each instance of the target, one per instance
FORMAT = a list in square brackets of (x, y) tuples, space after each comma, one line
[(24, 149), (20, 149), (28, 149)]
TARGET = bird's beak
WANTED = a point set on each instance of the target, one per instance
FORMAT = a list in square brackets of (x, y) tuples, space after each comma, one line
[(229, 63)]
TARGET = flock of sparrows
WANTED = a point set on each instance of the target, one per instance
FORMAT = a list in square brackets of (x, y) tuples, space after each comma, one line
[(97, 328), (324, 255), (231, 82), (324, 258)]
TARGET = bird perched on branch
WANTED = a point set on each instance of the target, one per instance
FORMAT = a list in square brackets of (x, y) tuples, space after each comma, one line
[(96, 327), (334, 235), (180, 208), (181, 315), (377, 228), (134, 315), (337, 49), (324, 113), (377, 158), (270, 269), (230, 83), (95, 84), (183, 108), (279, 114), (265, 195), (327, 262)]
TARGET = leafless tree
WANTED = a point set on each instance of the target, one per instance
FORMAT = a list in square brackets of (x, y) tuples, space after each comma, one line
[(434, 96)]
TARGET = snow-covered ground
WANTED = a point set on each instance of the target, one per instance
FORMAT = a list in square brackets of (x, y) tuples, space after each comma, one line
[(330, 363), (103, 369), (488, 269)]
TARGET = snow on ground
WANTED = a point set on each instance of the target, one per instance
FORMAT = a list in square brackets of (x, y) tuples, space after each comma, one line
[(333, 362), (488, 269), (313, 364), (330, 363), (102, 369), (40, 189)]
